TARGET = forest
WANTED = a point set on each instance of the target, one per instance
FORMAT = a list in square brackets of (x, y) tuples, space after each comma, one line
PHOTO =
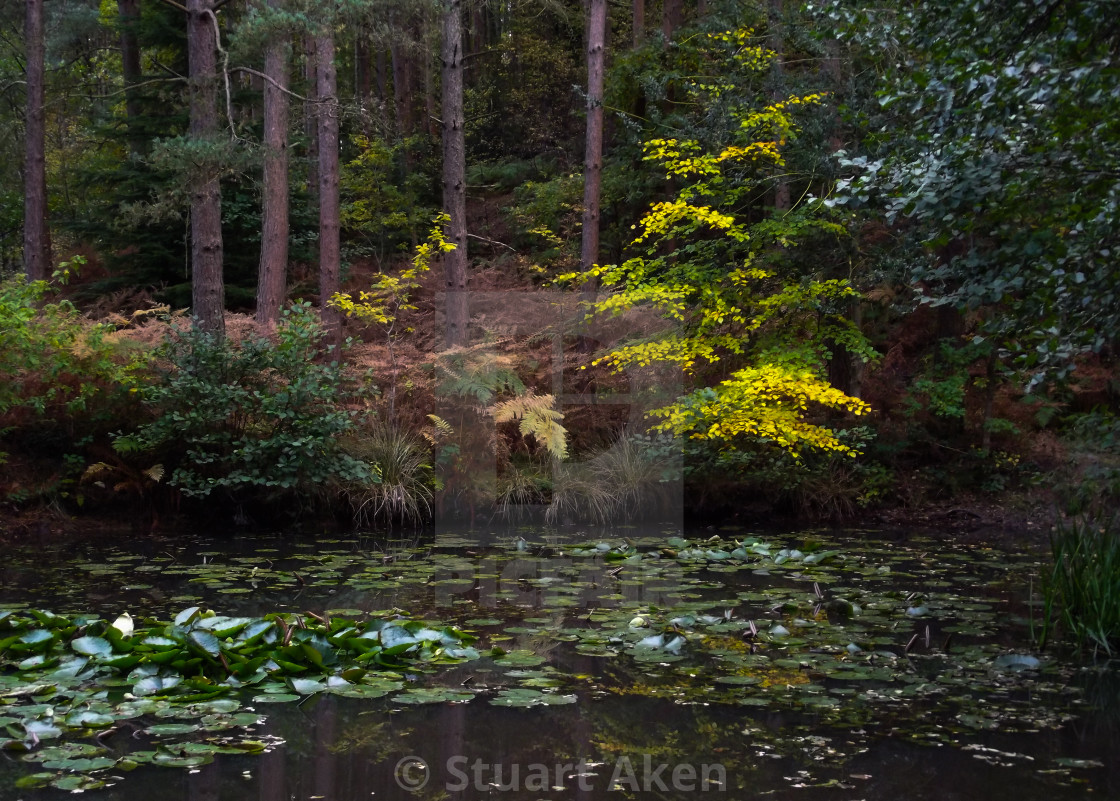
[(382, 260)]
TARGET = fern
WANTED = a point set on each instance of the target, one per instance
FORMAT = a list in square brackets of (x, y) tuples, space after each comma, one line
[(537, 418)]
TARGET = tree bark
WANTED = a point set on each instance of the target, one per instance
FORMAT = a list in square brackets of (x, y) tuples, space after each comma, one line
[(454, 174), (593, 153), (639, 9), (36, 234), (329, 251), (782, 199), (272, 274), (311, 120), (402, 82), (672, 15), (129, 13), (207, 289)]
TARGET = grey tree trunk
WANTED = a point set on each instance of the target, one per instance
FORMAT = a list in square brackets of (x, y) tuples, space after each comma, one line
[(207, 289), (454, 174), (36, 234), (593, 152), (129, 13), (329, 254), (273, 270)]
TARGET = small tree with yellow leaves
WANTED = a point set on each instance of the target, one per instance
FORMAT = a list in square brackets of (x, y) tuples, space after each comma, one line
[(705, 259)]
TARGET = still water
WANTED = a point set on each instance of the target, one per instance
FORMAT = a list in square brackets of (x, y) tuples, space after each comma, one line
[(614, 663)]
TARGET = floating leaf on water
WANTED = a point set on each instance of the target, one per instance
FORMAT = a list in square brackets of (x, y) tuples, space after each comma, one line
[(274, 698), (171, 729), (92, 646), (1017, 662)]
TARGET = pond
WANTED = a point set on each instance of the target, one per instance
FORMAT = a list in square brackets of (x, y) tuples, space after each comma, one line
[(557, 663)]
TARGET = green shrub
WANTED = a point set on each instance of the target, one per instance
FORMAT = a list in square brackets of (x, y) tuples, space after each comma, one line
[(264, 416)]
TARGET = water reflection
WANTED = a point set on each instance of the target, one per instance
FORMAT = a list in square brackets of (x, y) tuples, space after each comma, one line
[(521, 591)]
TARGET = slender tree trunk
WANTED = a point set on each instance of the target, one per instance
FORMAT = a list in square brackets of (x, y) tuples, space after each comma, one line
[(129, 13), (36, 234), (593, 153), (311, 120), (672, 15), (207, 289), (782, 200), (272, 274), (454, 174), (379, 73), (639, 8), (363, 72), (402, 81), (329, 254)]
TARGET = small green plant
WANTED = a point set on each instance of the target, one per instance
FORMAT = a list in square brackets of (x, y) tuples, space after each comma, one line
[(1082, 592), (260, 415)]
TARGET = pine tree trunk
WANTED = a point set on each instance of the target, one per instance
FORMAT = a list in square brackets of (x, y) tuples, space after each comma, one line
[(402, 83), (311, 121), (129, 13), (454, 174), (782, 199), (593, 153), (272, 274), (329, 253), (639, 9), (672, 15), (207, 289), (36, 234)]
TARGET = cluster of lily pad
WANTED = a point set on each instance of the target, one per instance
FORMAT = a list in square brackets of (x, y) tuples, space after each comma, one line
[(736, 621)]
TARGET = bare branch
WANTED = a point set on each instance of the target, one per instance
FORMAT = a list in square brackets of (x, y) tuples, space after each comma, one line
[(278, 86)]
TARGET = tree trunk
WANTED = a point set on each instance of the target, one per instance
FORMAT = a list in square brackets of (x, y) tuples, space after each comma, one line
[(329, 255), (593, 153), (402, 82), (672, 15), (639, 7), (454, 174), (782, 200), (363, 72), (272, 274), (36, 234), (311, 121), (129, 13), (207, 289)]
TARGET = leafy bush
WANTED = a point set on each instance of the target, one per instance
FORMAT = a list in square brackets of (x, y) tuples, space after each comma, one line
[(260, 415)]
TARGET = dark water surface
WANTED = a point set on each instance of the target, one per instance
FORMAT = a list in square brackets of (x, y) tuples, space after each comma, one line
[(638, 666)]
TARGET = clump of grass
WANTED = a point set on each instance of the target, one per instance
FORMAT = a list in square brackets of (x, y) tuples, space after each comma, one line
[(1083, 590), (402, 463)]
